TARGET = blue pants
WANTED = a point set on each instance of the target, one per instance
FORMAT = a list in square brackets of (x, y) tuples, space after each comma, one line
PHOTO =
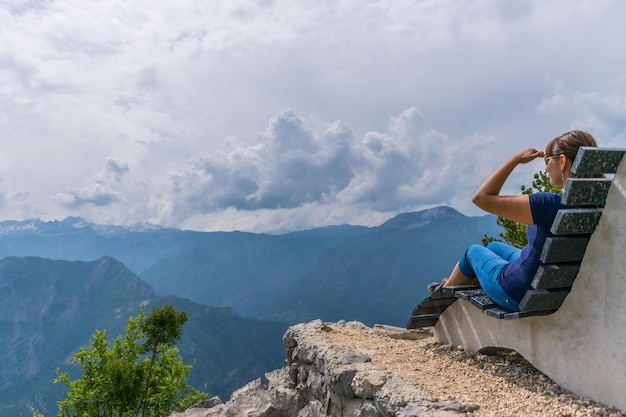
[(486, 264)]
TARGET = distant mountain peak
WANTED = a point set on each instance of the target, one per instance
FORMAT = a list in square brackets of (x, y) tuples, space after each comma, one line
[(70, 224), (438, 212), (13, 226), (413, 220), (73, 220)]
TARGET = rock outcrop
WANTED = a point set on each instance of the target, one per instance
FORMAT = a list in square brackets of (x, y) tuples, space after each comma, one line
[(319, 380)]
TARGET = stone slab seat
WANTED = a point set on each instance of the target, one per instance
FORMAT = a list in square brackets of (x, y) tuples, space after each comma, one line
[(561, 254), (580, 345)]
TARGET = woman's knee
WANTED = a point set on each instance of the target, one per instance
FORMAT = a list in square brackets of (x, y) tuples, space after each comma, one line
[(497, 247), (504, 250), (474, 248), (493, 245)]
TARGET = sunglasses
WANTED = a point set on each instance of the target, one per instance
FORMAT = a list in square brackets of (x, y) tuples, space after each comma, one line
[(547, 158)]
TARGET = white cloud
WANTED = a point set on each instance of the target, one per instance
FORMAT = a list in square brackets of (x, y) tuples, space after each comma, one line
[(290, 166), (179, 91), (603, 114), (301, 175), (105, 189)]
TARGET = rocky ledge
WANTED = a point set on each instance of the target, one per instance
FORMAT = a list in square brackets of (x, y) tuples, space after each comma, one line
[(319, 380), (350, 370)]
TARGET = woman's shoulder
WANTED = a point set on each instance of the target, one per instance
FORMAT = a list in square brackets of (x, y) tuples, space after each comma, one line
[(546, 197), (544, 207)]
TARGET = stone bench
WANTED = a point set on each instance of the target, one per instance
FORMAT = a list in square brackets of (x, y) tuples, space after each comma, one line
[(561, 255), (580, 346)]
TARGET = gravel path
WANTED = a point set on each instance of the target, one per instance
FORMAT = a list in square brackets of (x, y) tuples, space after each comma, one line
[(504, 384)]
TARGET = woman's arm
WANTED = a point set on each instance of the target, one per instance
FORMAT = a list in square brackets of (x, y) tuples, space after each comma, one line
[(515, 208)]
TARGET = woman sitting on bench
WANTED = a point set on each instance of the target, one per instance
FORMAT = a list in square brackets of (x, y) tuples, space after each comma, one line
[(503, 271)]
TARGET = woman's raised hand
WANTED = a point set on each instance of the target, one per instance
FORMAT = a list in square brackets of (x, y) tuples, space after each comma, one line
[(528, 155)]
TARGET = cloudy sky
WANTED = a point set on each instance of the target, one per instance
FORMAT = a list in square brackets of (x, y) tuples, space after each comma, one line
[(278, 115)]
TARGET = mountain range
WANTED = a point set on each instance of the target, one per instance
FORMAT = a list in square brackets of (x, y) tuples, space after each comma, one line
[(371, 274), (61, 280)]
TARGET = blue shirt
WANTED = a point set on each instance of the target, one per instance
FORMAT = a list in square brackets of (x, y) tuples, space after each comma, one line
[(516, 277)]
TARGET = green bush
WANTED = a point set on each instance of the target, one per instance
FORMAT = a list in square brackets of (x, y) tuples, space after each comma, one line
[(139, 373)]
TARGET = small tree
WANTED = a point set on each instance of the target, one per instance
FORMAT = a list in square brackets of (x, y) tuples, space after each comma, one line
[(140, 374), (515, 233)]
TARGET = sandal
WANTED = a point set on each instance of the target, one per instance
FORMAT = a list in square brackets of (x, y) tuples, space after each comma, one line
[(435, 286)]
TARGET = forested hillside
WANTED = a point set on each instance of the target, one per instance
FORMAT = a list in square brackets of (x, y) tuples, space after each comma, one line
[(48, 309)]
